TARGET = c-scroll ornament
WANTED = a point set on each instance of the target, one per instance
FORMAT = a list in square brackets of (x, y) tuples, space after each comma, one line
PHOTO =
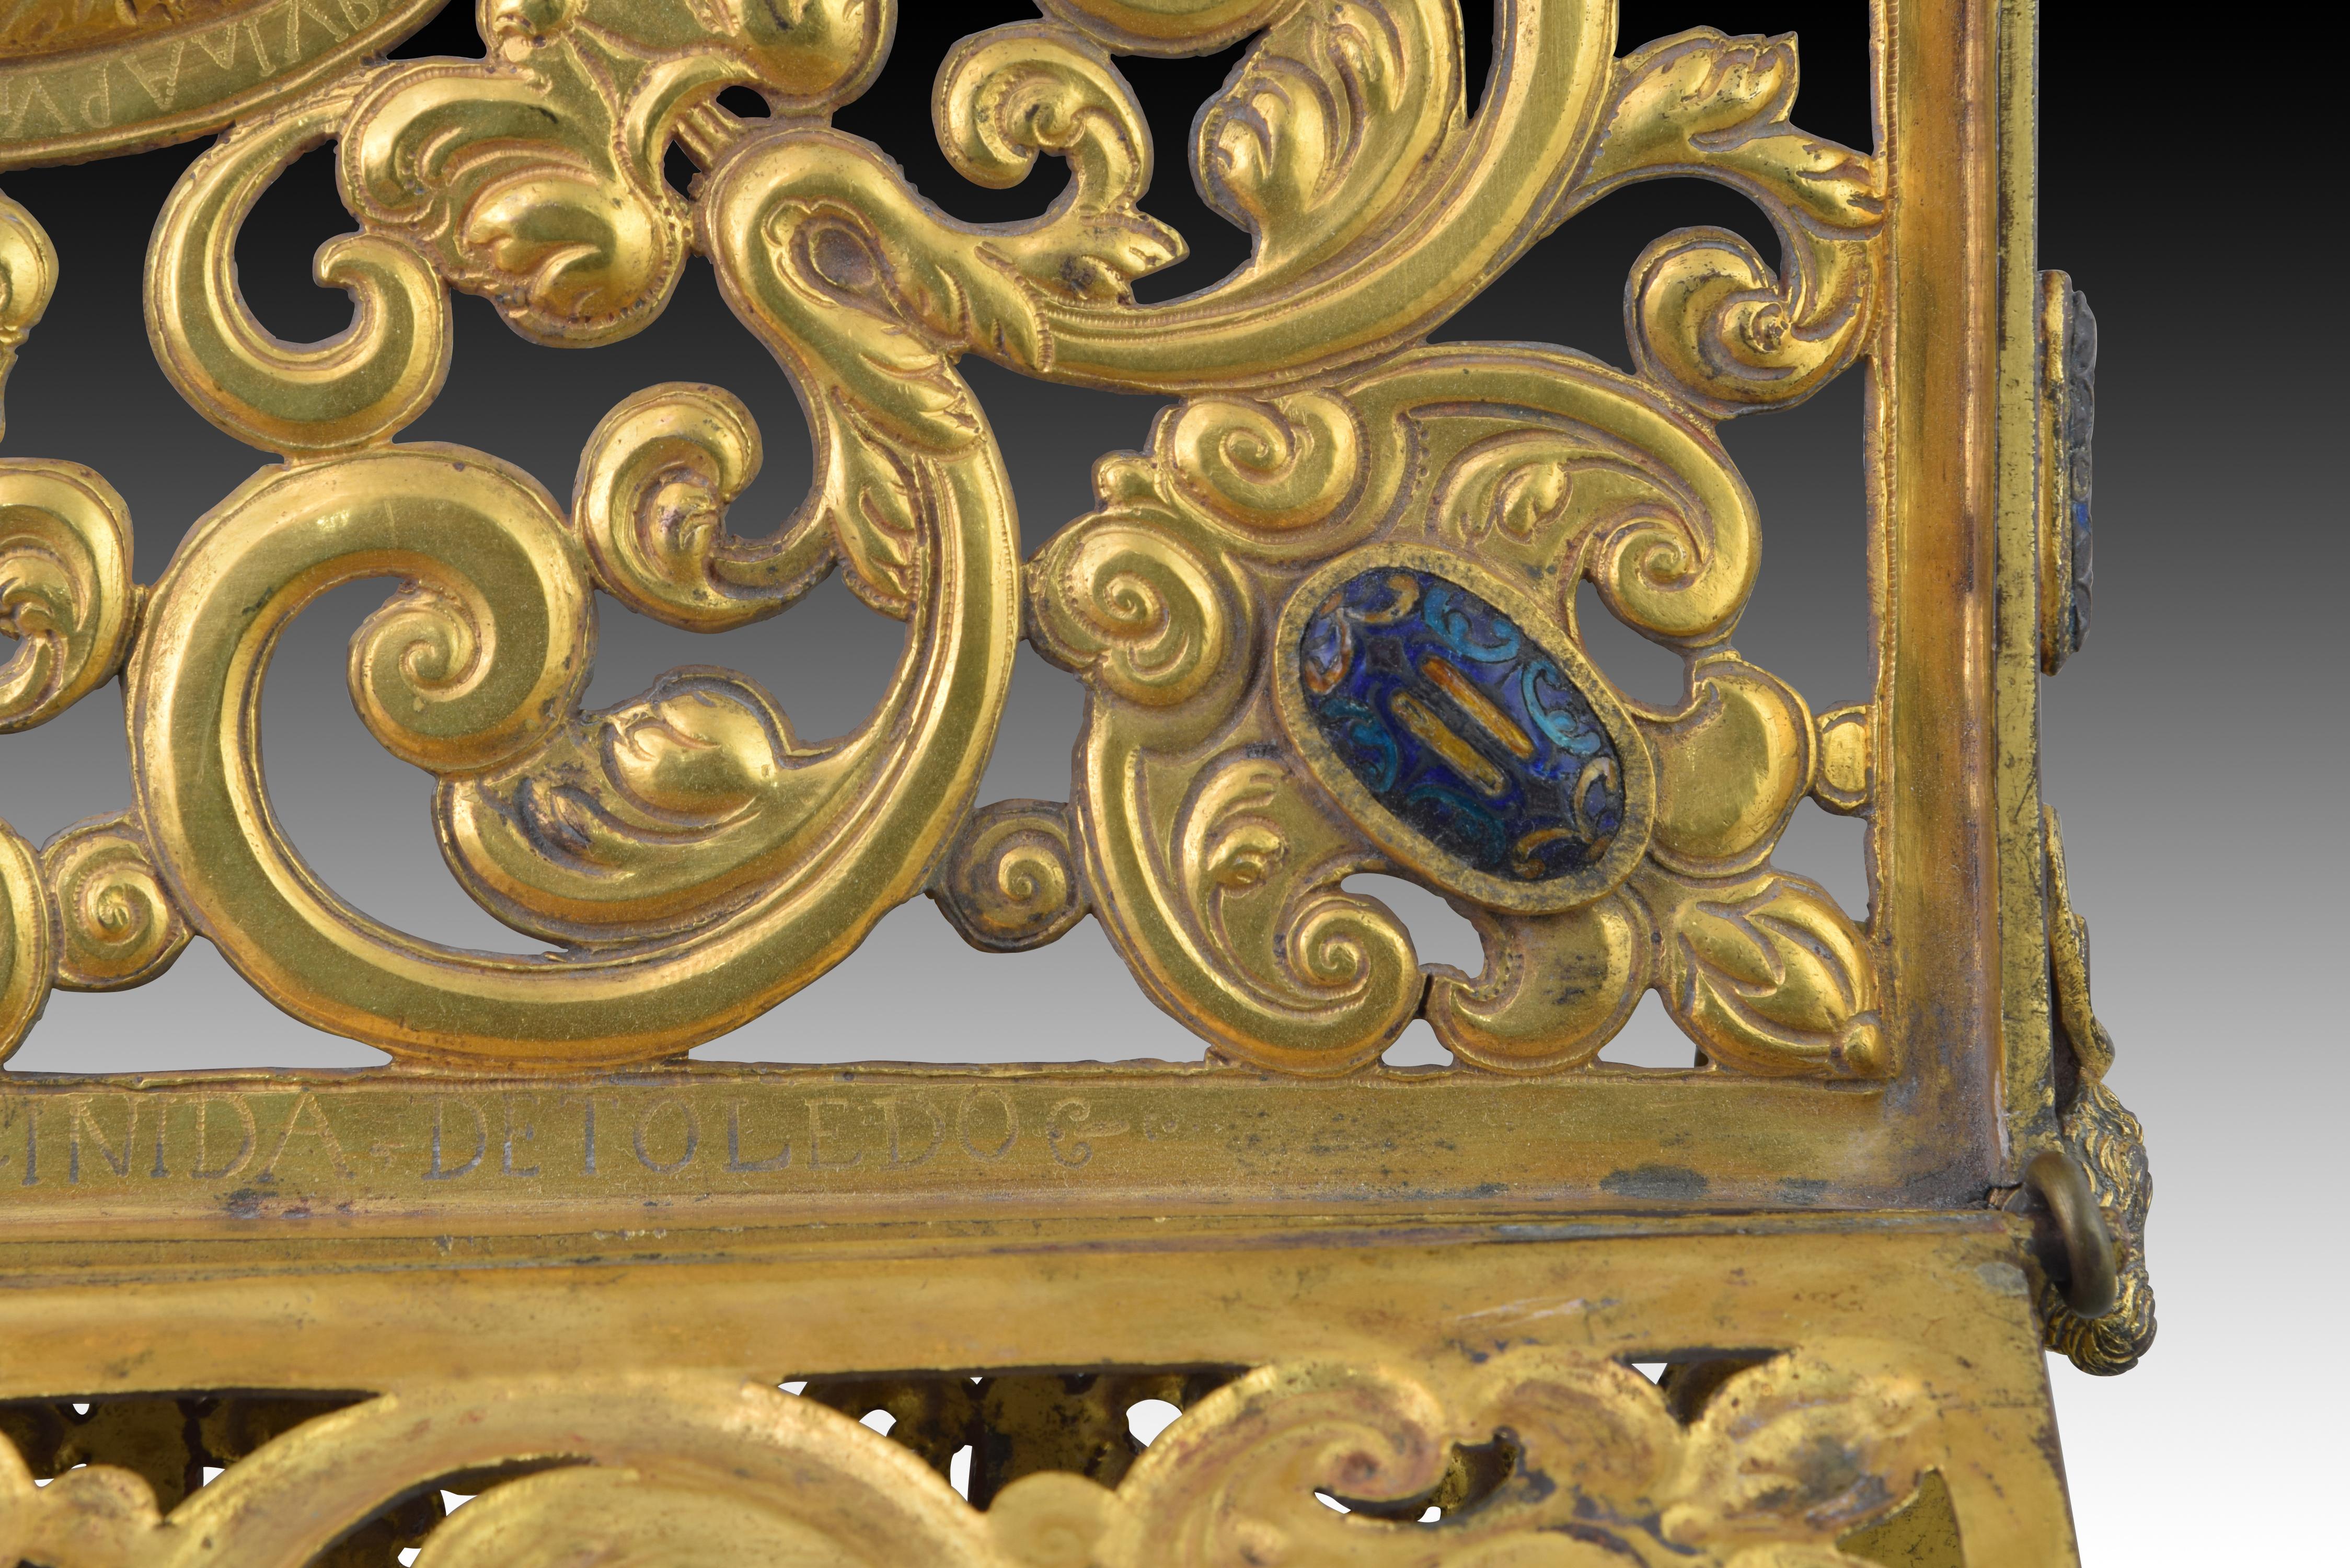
[(533, 177), (352, 390), (1336, 635), (67, 597), (692, 859), (1777, 1464), (1706, 315), (477, 667), (1012, 881), (1378, 206), (68, 602), (116, 928), (696, 862)]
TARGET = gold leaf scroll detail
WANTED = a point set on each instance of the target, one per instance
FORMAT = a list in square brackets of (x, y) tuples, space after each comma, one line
[(1341, 144), (650, 818), (1553, 991), (1011, 881), (28, 275), (1782, 1461), (353, 389), (1707, 316), (1256, 872), (1209, 828), (1732, 763), (533, 177), (67, 600), (476, 667), (1610, 486), (1134, 609), (1216, 873), (27, 943), (1761, 969), (1767, 974), (65, 592), (1778, 1464), (117, 926), (658, 1469), (1329, 123), (873, 283), (698, 861), (1263, 477), (650, 502)]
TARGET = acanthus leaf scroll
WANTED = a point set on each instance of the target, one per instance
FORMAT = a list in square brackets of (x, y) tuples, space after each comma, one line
[(1221, 820), (695, 862), (690, 858), (533, 177)]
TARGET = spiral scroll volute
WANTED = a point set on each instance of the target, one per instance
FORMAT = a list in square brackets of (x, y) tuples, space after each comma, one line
[(1707, 319), (1012, 880), (695, 861), (65, 592), (1006, 95), (1236, 1480), (117, 926), (655, 483), (352, 390)]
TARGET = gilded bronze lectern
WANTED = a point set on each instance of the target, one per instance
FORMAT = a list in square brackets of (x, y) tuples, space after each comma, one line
[(543, 1291)]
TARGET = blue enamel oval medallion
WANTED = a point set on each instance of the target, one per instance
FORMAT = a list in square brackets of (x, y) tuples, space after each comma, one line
[(1463, 726)]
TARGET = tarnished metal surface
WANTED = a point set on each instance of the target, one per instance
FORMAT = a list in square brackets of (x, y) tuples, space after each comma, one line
[(1817, 1370)]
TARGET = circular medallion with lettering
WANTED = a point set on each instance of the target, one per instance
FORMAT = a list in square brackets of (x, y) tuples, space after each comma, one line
[(83, 81)]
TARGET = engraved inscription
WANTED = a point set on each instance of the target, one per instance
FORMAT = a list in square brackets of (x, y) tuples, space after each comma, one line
[(987, 1109), (77, 86), (260, 1145), (673, 1139), (198, 1167), (519, 1131), (817, 1155), (734, 1161), (439, 1171), (893, 1111), (1061, 1129)]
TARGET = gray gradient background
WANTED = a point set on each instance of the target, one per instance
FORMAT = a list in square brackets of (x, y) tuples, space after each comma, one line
[(2190, 746)]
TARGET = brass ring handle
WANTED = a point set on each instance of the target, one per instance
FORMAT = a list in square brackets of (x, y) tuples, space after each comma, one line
[(2090, 1277)]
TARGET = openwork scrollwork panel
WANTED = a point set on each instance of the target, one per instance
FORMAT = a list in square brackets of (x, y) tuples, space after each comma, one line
[(1354, 611), (1326, 624), (1769, 1461)]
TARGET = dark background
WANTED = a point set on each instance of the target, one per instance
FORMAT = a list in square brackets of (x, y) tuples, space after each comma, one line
[(2188, 745)]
